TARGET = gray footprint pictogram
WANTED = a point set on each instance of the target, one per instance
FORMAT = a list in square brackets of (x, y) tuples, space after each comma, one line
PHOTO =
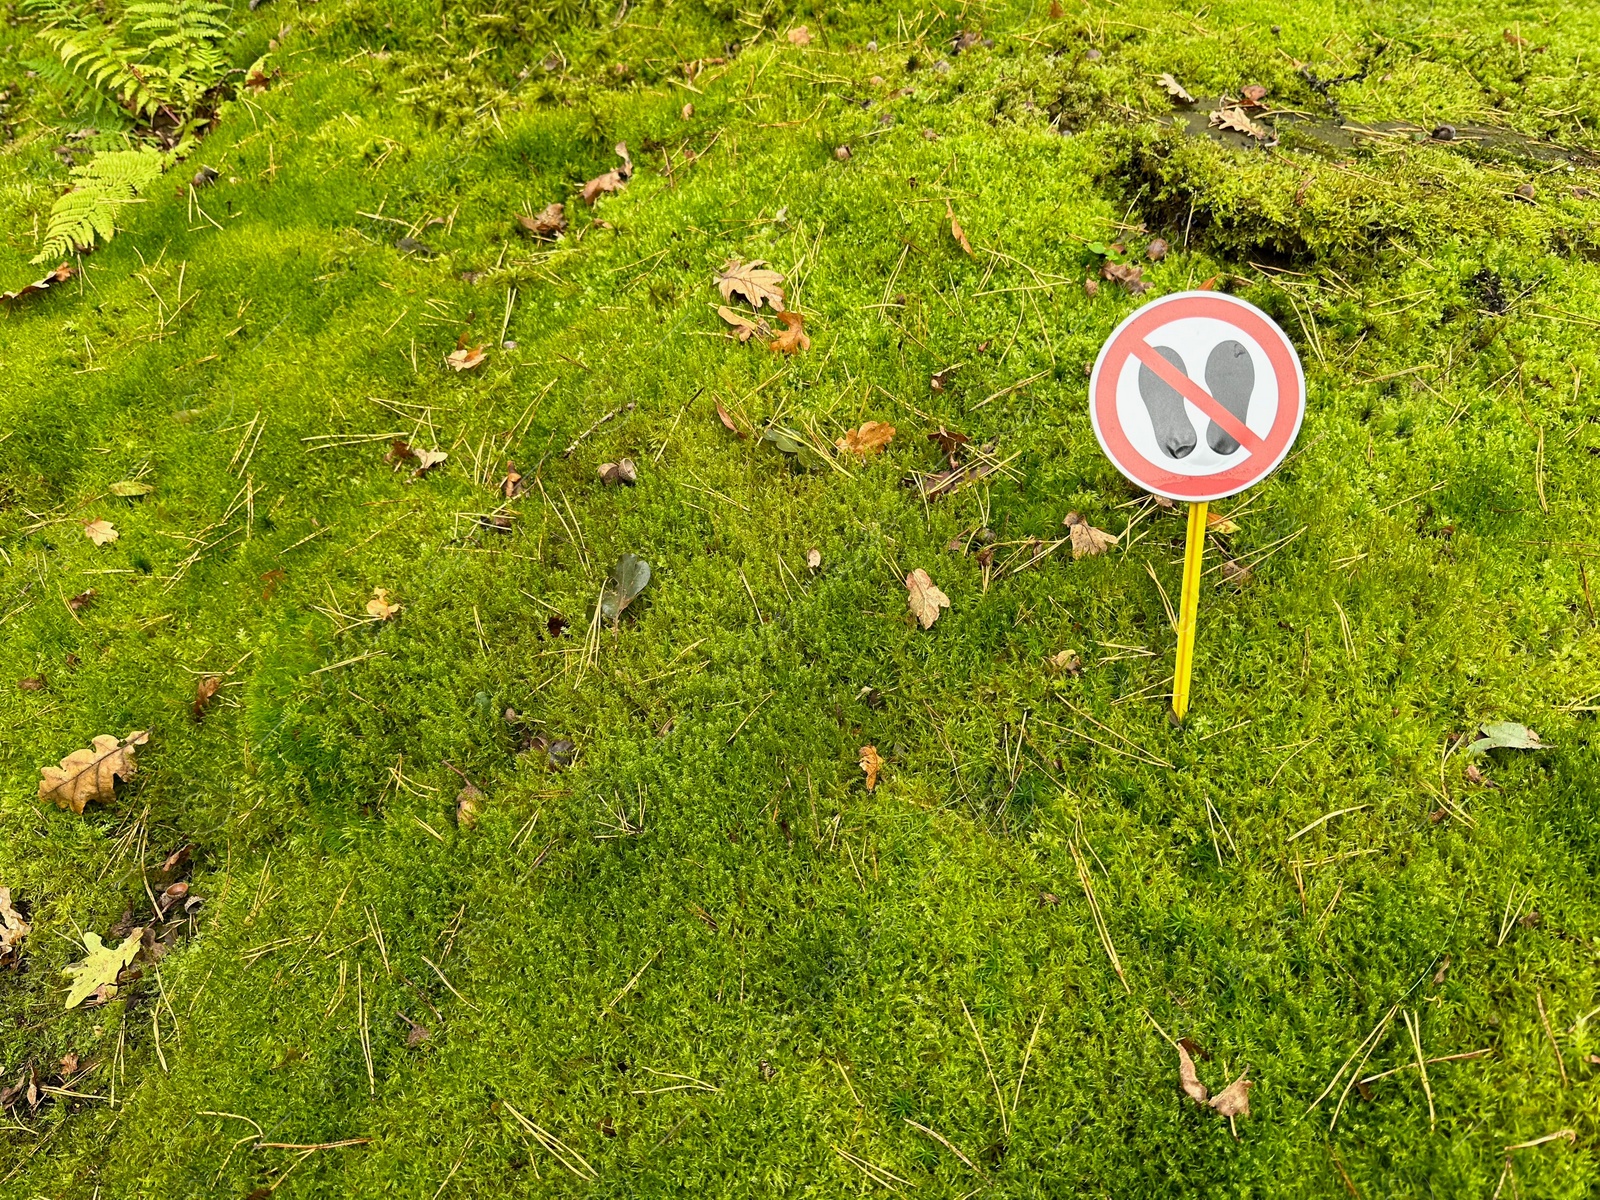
[(1230, 378), (1174, 432)]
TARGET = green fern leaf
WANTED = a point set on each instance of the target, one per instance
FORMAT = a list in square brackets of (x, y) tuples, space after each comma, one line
[(87, 213)]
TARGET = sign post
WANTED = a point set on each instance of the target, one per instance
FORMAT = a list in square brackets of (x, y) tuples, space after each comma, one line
[(1196, 396)]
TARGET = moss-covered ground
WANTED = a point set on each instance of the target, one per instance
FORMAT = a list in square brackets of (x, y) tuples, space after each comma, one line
[(696, 953)]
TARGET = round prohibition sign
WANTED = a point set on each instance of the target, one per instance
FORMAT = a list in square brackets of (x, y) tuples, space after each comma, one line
[(1197, 396)]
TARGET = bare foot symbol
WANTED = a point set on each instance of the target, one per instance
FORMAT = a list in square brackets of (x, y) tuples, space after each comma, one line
[(1230, 378), (1174, 433)]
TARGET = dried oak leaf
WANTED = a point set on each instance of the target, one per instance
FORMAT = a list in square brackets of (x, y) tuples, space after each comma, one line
[(956, 231), (1236, 120), (793, 339), (1221, 523), (97, 974), (464, 358), (1234, 1100), (101, 532), (60, 275), (799, 36), (1086, 539), (12, 927), (204, 692), (1130, 277), (871, 763), (379, 605), (870, 439), (614, 474), (1188, 1079), (1175, 89), (743, 328), (611, 181), (756, 282), (925, 599), (91, 773), (550, 222)]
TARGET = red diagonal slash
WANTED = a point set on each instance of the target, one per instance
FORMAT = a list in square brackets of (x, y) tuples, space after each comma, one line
[(1197, 396)]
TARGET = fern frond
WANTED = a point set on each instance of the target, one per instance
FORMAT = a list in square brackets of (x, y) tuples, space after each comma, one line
[(101, 186)]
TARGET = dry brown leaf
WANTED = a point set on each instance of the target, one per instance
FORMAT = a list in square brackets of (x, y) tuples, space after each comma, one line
[(100, 532), (512, 486), (618, 473), (204, 692), (60, 275), (1130, 277), (465, 358), (687, 111), (1175, 89), (949, 440), (743, 328), (1056, 11), (756, 282), (1235, 573), (1221, 523), (550, 222), (1234, 1100), (1236, 120), (1156, 250), (83, 599), (871, 763), (33, 683), (956, 231), (12, 927), (1086, 539), (379, 605), (91, 774), (1188, 1079), (939, 381), (727, 423), (799, 36), (1253, 94), (427, 460), (1066, 661), (925, 599), (793, 339), (870, 439), (813, 559), (469, 803), (611, 181)]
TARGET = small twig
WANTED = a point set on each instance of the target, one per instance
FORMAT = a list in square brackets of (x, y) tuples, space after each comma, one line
[(1549, 1033), (579, 440)]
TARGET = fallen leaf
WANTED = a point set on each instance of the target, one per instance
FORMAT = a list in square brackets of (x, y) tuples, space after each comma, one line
[(727, 423), (1056, 11), (805, 455), (1065, 661), (130, 488), (956, 231), (949, 440), (204, 692), (1236, 120), (1235, 573), (82, 600), (556, 625), (813, 559), (379, 605), (1086, 539), (1188, 1079), (417, 1034), (1175, 89), (870, 439), (628, 578), (91, 773), (1156, 250), (1505, 735), (611, 181), (12, 927), (550, 222), (69, 1063), (1221, 523), (33, 683), (870, 763), (465, 358), (1130, 277), (756, 282), (98, 972), (842, 153), (469, 803), (743, 328), (799, 36), (939, 381), (399, 453), (793, 339), (925, 599), (1234, 1100), (60, 275), (1091, 287), (1444, 967), (687, 111), (1253, 94), (616, 473), (427, 460), (100, 532)]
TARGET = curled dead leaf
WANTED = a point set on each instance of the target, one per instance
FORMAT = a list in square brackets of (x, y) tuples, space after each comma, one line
[(91, 774), (469, 803), (871, 763), (60, 275), (465, 358), (949, 440), (611, 181), (1189, 1079), (743, 328), (204, 692), (1234, 1100), (956, 231), (813, 559), (924, 599), (1253, 94), (1086, 539), (727, 423), (1156, 250), (1175, 89), (13, 929), (1130, 277), (1066, 662), (799, 36), (793, 339), (870, 439), (549, 222), (379, 605), (82, 600)]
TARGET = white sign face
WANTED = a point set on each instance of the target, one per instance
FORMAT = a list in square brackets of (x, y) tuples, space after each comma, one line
[(1197, 396)]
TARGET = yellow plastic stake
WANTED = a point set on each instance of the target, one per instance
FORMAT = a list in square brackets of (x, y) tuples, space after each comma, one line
[(1193, 551)]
